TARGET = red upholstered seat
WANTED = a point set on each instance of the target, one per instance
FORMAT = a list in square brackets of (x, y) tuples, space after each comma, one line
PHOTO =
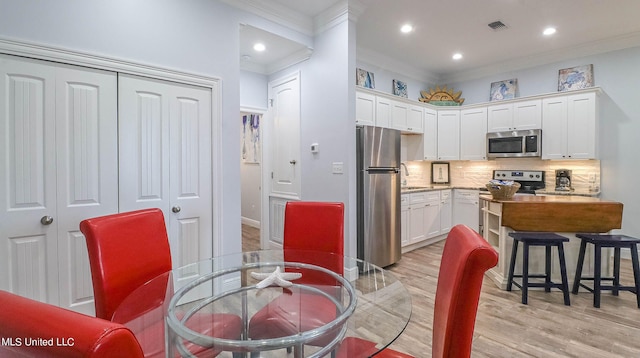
[(126, 250), (309, 228), (465, 259), (68, 334)]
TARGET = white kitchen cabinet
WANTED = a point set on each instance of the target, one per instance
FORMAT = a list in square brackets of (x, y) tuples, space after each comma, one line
[(519, 115), (60, 166), (430, 136), (418, 203), (473, 129), (415, 119), (569, 127), (365, 109), (406, 117), (383, 112), (446, 211), (466, 208), (448, 134), (404, 220), (432, 214)]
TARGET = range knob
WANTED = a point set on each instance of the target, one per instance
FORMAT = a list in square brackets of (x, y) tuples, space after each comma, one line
[(530, 175), (537, 175)]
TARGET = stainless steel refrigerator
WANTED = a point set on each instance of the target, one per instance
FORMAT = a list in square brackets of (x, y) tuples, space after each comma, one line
[(378, 194)]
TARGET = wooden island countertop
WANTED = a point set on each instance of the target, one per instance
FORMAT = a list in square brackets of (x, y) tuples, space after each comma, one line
[(559, 213)]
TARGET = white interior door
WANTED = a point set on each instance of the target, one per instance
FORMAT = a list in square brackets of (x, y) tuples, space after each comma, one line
[(284, 97), (165, 160), (28, 256), (59, 169), (87, 167)]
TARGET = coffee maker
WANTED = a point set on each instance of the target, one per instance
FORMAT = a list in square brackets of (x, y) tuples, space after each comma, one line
[(563, 180)]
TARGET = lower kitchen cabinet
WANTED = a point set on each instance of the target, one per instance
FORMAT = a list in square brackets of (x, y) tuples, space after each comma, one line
[(426, 217)]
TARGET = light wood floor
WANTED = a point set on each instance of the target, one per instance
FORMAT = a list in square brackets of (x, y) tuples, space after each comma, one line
[(507, 328)]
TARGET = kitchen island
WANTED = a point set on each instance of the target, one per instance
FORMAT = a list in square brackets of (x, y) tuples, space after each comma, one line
[(564, 215)]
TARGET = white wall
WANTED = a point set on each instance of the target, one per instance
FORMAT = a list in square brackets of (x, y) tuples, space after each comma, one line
[(618, 74), (384, 80), (196, 36), (325, 119)]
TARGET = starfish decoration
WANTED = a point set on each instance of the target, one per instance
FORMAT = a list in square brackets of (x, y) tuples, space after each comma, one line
[(277, 277)]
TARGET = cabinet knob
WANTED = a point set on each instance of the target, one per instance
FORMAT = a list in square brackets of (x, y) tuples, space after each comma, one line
[(176, 209), (292, 162), (46, 220)]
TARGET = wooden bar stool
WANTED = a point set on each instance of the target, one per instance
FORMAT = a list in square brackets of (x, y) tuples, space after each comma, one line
[(600, 241), (548, 240)]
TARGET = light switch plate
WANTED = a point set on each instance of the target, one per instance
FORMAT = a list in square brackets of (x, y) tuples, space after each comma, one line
[(338, 168)]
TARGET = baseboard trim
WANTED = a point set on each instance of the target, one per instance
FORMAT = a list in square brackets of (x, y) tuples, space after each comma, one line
[(250, 222)]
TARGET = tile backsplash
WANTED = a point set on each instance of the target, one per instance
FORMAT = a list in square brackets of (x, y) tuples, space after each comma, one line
[(585, 173)]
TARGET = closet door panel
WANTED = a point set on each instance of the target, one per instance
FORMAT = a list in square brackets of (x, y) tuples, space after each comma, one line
[(165, 160), (143, 126), (87, 167), (190, 228), (28, 258)]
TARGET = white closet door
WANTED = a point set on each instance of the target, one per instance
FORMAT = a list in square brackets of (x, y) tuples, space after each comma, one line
[(165, 160), (61, 165), (28, 253), (87, 167)]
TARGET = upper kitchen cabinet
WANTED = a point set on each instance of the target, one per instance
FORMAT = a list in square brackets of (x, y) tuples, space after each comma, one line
[(518, 115), (407, 117), (473, 129), (430, 137), (383, 112), (365, 109), (449, 134), (569, 126)]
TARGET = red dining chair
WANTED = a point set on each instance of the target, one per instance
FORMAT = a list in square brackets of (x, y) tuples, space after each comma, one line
[(465, 259), (24, 322), (128, 249), (309, 228)]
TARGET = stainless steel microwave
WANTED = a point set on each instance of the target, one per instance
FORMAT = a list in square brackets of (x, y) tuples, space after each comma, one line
[(514, 144)]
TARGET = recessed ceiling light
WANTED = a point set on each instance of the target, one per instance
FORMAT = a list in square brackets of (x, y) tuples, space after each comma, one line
[(457, 56), (406, 28), (549, 31), (259, 47)]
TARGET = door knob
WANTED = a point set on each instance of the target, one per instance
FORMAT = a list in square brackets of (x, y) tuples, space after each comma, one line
[(46, 220), (176, 209)]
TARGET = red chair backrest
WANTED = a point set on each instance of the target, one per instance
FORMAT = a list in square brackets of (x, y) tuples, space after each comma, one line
[(68, 334), (125, 251), (314, 227), (465, 259)]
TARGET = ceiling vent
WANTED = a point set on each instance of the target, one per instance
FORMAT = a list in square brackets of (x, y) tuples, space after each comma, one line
[(497, 25)]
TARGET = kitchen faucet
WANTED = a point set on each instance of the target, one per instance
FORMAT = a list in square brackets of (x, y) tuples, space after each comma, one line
[(406, 172)]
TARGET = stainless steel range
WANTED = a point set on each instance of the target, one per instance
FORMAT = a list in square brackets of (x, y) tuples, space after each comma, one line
[(530, 180)]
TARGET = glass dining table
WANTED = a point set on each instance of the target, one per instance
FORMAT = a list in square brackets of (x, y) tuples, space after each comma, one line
[(370, 303)]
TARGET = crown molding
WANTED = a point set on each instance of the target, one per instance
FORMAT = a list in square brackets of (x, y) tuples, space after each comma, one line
[(292, 59), (334, 15), (277, 13), (394, 65), (583, 50)]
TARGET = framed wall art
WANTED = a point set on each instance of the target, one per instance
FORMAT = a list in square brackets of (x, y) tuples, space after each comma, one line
[(575, 78), (440, 173), (400, 88), (365, 78), (507, 89)]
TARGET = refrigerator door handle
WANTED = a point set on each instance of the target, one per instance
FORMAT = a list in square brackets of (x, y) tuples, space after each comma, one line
[(383, 170)]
